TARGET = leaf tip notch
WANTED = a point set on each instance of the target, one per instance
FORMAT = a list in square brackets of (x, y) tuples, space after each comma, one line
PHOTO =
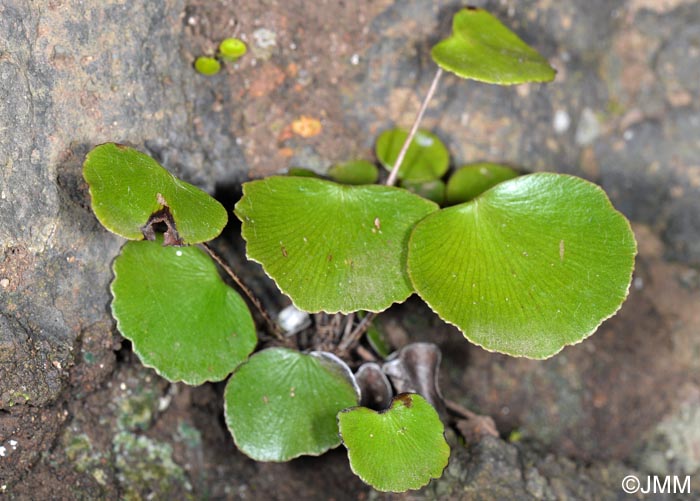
[(482, 48)]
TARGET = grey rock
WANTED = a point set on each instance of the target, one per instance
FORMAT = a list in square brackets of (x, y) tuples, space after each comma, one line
[(588, 128), (646, 173), (73, 75), (493, 469)]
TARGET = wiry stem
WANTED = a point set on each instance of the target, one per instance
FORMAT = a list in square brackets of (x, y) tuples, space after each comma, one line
[(350, 320), (355, 335), (458, 409), (271, 326), (351, 338), (391, 180)]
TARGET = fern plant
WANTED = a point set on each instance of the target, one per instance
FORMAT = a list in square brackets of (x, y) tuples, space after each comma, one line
[(522, 265)]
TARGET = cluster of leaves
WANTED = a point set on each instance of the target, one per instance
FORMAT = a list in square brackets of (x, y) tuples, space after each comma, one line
[(230, 50), (425, 164), (190, 326), (523, 265)]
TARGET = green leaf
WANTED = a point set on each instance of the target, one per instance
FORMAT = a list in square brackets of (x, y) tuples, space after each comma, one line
[(481, 48), (282, 404), (128, 187), (301, 172), (427, 157), (207, 65), (471, 181), (432, 190), (530, 266), (355, 172), (231, 49), (328, 246), (182, 319), (378, 341), (398, 449)]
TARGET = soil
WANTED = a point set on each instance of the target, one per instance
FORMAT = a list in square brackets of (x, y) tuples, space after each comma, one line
[(80, 418)]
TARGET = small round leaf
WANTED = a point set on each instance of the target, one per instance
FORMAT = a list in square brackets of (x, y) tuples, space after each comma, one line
[(471, 181), (301, 172), (398, 449), (355, 172), (182, 319), (432, 190), (378, 340), (427, 157), (282, 404), (331, 247), (207, 65), (230, 49), (481, 48), (128, 187), (528, 267)]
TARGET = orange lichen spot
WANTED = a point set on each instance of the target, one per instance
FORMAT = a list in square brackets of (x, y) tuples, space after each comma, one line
[(306, 126)]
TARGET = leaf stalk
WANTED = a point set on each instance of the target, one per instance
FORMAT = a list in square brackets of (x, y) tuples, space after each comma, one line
[(391, 180), (271, 326)]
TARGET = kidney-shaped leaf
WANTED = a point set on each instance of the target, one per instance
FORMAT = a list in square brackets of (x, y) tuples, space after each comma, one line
[(532, 265), (282, 404), (301, 172), (398, 449), (432, 190), (182, 319), (128, 187), (472, 180), (354, 172), (481, 48), (427, 157), (331, 247)]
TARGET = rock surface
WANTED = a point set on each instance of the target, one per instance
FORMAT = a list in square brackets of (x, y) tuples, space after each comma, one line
[(80, 418)]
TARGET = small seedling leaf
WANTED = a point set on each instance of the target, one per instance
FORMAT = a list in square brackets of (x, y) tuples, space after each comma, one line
[(207, 65), (471, 181), (432, 190), (377, 339), (398, 449), (128, 187), (231, 49), (282, 404), (355, 172), (301, 172), (331, 247), (482, 48), (182, 319), (530, 266), (427, 157)]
